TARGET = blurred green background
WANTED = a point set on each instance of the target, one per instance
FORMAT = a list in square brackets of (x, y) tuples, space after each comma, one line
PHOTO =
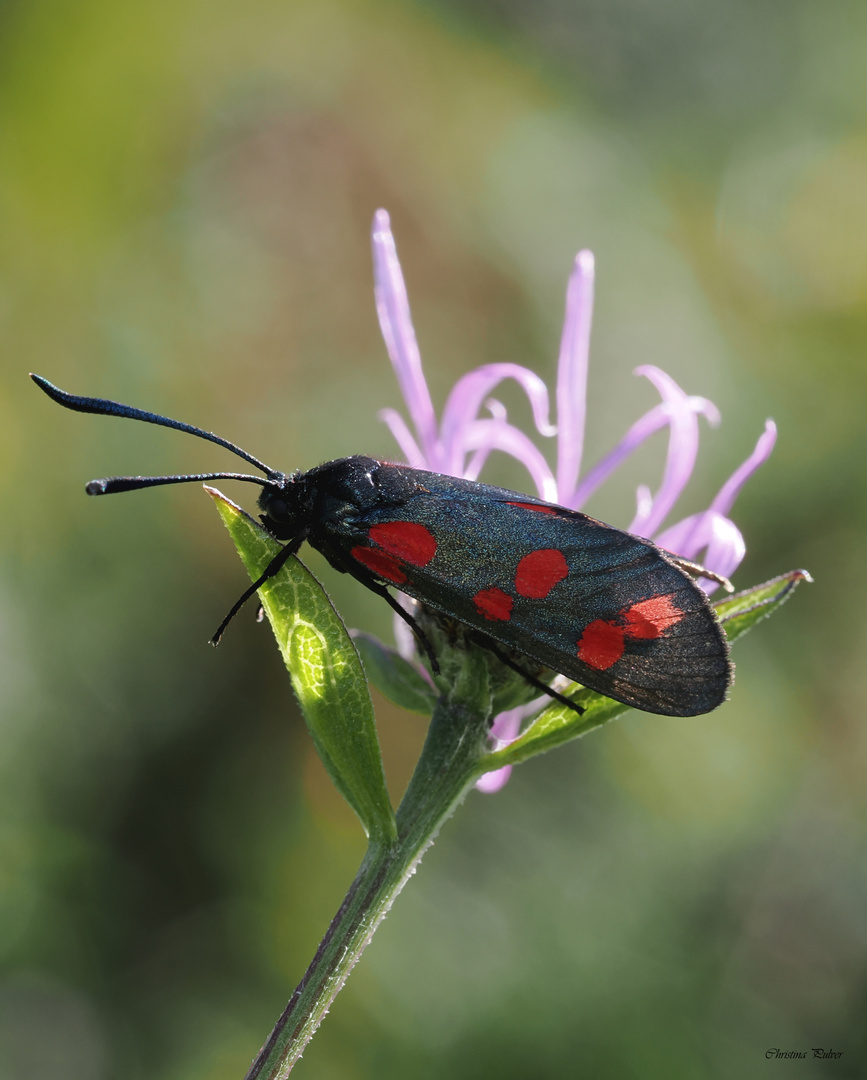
[(187, 191)]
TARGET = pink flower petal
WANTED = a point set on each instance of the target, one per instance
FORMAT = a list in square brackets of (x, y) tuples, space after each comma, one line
[(730, 490), (572, 374), (682, 413), (640, 431), (403, 437), (725, 551), (677, 411), (711, 533), (492, 782), (487, 435), (504, 730), (467, 397), (463, 441), (395, 321), (507, 725)]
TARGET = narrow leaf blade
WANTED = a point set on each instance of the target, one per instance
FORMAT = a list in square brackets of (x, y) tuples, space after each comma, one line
[(326, 672), (557, 724), (394, 676), (741, 612)]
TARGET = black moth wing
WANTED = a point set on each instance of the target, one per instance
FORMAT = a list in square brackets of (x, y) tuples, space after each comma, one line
[(603, 607)]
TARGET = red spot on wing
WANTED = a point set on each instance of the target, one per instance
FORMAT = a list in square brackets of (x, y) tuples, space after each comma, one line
[(380, 563), (494, 604), (539, 572), (406, 540), (601, 644), (540, 509), (604, 640), (650, 618)]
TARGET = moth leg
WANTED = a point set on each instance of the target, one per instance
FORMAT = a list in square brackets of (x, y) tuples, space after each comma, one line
[(420, 636), (370, 582), (696, 570), (533, 681), (273, 568)]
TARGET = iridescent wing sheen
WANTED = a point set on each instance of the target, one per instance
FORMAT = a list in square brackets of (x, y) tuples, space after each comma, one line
[(598, 605)]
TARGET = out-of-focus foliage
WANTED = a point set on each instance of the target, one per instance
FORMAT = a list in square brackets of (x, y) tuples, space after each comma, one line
[(186, 191)]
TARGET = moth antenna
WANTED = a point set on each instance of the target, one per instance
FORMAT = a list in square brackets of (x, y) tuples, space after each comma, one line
[(110, 485), (104, 407)]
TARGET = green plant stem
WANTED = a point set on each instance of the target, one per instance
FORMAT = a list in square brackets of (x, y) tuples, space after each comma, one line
[(454, 756), (445, 772)]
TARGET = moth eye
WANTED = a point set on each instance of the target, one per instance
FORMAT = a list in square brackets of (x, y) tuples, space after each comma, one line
[(278, 510)]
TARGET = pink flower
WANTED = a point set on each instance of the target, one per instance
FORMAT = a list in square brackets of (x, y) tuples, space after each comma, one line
[(473, 424)]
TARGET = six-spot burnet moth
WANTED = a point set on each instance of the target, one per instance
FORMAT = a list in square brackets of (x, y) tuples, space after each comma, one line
[(603, 607)]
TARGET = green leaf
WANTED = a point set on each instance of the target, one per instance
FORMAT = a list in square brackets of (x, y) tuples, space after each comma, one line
[(742, 611), (394, 676), (326, 672), (557, 724)]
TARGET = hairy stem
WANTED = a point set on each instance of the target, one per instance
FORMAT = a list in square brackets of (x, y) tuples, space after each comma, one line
[(445, 772)]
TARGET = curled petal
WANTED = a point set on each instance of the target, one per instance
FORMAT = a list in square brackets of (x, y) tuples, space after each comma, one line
[(643, 501), (730, 490), (492, 782), (507, 725), (640, 431), (678, 411), (468, 395), (669, 391), (505, 729), (725, 550), (682, 416), (572, 374), (395, 321), (403, 437), (483, 436), (709, 532), (712, 531)]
